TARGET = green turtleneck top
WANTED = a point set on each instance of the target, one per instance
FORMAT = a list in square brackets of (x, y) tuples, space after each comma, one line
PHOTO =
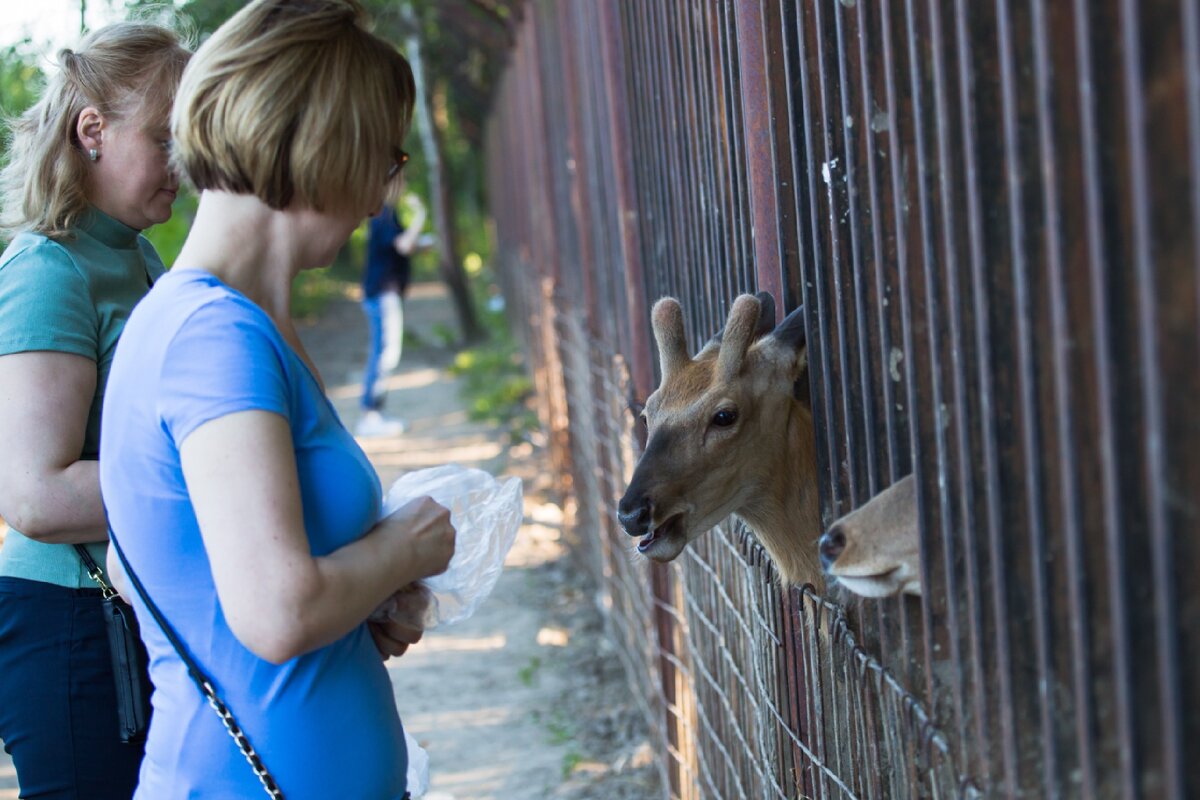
[(70, 296)]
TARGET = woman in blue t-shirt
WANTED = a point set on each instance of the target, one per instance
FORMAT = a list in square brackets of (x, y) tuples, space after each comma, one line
[(244, 507), (87, 173)]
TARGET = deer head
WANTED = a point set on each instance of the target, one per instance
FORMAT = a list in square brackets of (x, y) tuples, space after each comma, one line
[(730, 432), (874, 551)]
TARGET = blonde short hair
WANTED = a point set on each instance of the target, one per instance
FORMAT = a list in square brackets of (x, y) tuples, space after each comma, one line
[(296, 103), (127, 70)]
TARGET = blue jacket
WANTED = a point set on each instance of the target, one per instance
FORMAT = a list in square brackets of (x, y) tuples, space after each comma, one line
[(386, 269)]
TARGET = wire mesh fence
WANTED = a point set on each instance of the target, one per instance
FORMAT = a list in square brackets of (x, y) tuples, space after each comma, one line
[(989, 213)]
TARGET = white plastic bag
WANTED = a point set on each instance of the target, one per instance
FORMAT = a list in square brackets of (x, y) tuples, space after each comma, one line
[(486, 513), (418, 768)]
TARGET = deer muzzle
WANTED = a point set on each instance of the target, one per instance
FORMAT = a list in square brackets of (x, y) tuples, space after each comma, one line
[(635, 513)]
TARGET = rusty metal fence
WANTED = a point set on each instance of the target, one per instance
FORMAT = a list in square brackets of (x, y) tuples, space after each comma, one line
[(989, 211)]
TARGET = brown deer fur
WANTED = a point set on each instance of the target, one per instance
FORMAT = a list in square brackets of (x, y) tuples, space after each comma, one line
[(697, 470), (874, 551)]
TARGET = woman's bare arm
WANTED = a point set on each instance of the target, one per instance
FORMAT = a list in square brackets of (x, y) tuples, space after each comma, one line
[(406, 242), (46, 491), (280, 600)]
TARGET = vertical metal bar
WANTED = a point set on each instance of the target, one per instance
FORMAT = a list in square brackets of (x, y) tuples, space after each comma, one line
[(824, 412), (886, 219), (744, 261), (833, 170), (950, 359), (1190, 25), (617, 100), (1068, 456), (576, 167), (1156, 481), (920, 292), (900, 204), (1030, 432), (1110, 493), (864, 249), (876, 350), (977, 265), (758, 132), (1187, 543)]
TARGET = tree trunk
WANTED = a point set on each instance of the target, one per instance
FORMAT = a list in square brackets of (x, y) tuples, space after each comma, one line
[(449, 264)]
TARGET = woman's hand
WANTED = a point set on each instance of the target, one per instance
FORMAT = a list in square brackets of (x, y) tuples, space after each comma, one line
[(393, 638), (400, 621), (430, 536)]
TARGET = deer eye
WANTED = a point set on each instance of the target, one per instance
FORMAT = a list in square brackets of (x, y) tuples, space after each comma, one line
[(724, 418)]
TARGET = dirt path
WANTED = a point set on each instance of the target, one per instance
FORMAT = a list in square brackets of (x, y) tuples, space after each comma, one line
[(525, 700)]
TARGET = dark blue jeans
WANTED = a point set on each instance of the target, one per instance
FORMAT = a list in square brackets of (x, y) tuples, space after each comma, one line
[(58, 707)]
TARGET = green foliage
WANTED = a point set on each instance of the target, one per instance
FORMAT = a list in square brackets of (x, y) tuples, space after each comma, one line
[(168, 237), (460, 72), (313, 290), (496, 384), (20, 84), (560, 729), (571, 760), (348, 263), (528, 673), (205, 15)]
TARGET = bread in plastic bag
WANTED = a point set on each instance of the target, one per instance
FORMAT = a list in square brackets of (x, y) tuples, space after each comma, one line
[(486, 513)]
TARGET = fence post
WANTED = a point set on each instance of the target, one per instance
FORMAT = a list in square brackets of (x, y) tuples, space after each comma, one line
[(758, 124)]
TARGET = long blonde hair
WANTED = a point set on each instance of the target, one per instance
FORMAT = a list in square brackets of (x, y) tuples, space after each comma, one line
[(127, 70)]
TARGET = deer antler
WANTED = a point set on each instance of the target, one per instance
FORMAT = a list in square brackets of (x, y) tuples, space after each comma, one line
[(740, 331), (669, 334)]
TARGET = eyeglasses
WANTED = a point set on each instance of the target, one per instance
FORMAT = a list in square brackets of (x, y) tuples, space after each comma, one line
[(397, 165)]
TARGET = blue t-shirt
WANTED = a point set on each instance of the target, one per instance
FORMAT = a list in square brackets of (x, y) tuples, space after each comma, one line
[(325, 723)]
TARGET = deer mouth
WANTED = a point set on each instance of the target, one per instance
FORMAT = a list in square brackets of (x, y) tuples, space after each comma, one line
[(666, 541), (888, 583)]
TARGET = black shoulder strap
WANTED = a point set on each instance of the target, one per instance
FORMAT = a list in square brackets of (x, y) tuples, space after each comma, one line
[(94, 572)]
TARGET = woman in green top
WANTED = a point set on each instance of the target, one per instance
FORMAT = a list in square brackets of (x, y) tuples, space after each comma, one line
[(87, 173)]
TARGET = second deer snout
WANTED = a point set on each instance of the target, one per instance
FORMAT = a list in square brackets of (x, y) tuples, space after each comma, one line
[(634, 513), (831, 546)]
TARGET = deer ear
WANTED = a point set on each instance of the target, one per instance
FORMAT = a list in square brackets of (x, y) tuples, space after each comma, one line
[(766, 314), (791, 331), (801, 389), (790, 336)]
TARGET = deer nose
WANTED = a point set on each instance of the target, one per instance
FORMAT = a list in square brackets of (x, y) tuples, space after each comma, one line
[(634, 514), (831, 546)]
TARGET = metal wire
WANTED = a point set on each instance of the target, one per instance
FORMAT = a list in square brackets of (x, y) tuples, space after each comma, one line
[(990, 214)]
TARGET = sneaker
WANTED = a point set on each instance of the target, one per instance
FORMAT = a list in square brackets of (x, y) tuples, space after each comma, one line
[(375, 423)]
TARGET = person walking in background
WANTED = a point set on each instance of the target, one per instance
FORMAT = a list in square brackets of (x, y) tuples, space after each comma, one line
[(388, 271), (87, 173), (217, 430)]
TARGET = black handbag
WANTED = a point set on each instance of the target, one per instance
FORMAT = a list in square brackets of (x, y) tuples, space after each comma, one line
[(130, 663)]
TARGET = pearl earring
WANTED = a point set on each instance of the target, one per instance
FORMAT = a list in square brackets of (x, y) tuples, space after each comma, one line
[(94, 154)]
